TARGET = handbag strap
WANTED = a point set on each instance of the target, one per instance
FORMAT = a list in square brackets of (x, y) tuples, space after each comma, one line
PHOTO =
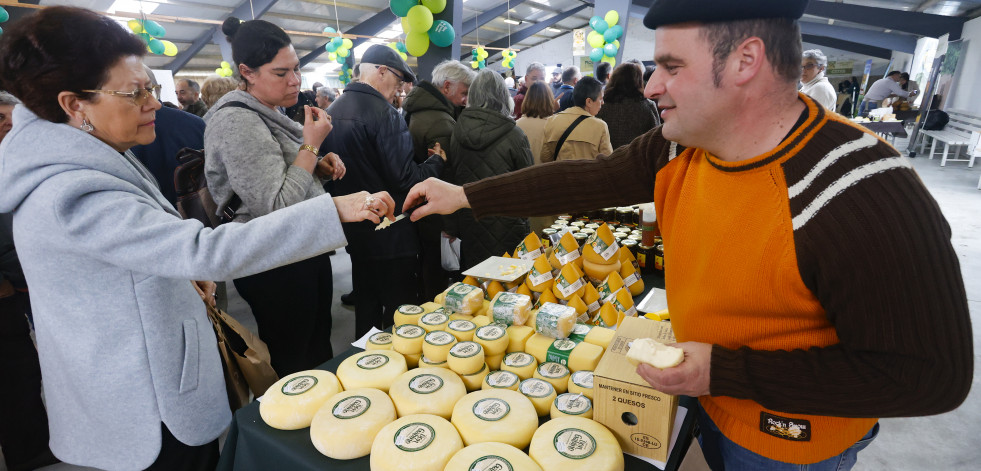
[(565, 135)]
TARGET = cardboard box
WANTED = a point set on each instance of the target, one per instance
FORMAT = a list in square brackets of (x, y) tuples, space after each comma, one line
[(638, 415)]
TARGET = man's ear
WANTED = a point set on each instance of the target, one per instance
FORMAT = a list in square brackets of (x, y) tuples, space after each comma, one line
[(746, 61)]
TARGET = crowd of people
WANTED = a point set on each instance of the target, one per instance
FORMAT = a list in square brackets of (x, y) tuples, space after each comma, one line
[(820, 316)]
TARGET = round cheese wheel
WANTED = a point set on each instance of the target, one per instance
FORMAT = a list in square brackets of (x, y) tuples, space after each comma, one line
[(408, 339), (495, 415), (461, 329), (465, 358), (436, 345), (556, 374), (408, 314), (581, 382), (501, 380), (420, 442), (540, 393), (371, 369), (521, 364), (573, 443), (291, 402), (570, 404), (494, 361), (491, 456), (348, 422), (426, 362), (427, 391), (435, 320), (474, 381), (379, 341), (493, 337)]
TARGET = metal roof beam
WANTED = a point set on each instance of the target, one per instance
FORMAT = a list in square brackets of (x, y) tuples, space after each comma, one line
[(858, 48), (895, 42), (532, 30), (923, 24), (244, 10), (369, 27), (486, 17)]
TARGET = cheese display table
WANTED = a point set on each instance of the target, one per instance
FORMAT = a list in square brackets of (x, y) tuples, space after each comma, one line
[(253, 445)]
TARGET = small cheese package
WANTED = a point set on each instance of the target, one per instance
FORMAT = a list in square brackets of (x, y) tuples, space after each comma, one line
[(555, 320), (510, 309), (462, 298)]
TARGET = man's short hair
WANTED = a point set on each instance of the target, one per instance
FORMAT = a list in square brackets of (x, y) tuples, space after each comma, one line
[(817, 56), (588, 87), (895, 72), (904, 76), (570, 73), (535, 66), (194, 85), (603, 71), (452, 71), (781, 37), (326, 92)]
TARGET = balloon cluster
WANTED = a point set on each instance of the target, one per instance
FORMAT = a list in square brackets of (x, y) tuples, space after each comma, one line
[(419, 26), (4, 16), (225, 70), (604, 38), (346, 74), (338, 48), (149, 31), (479, 57), (509, 56)]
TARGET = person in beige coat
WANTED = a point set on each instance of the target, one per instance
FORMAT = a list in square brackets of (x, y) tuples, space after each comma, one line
[(590, 136)]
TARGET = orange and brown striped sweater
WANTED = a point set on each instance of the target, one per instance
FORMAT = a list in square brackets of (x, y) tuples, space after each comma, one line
[(822, 272)]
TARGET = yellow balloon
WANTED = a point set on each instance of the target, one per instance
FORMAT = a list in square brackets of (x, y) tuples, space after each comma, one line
[(404, 56), (417, 43), (347, 44), (136, 26), (474, 64), (331, 56), (611, 60), (220, 72), (225, 65), (595, 39), (170, 49), (612, 17), (405, 25)]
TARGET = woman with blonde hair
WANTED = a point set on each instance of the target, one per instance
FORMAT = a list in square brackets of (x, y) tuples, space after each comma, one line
[(216, 87), (538, 106)]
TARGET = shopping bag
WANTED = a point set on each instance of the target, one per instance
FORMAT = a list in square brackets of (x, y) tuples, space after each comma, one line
[(449, 251), (245, 359)]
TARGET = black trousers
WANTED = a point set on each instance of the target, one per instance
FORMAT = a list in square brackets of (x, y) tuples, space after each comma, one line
[(175, 455), (382, 286), (434, 279), (291, 305), (23, 420)]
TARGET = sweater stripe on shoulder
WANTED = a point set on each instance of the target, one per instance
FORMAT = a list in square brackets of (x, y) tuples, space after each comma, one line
[(848, 180), (866, 141)]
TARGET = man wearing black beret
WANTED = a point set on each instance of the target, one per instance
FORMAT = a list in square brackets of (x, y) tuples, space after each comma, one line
[(810, 275)]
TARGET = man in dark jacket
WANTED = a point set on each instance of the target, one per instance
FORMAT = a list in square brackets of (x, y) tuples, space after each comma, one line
[(372, 139), (430, 109), (570, 77)]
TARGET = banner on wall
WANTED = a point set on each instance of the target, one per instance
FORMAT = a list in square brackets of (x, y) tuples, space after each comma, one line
[(840, 68), (579, 42), (865, 77)]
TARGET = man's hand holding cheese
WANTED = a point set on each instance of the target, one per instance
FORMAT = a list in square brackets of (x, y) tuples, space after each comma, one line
[(689, 377)]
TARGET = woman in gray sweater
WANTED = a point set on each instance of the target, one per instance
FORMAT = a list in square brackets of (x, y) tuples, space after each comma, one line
[(260, 161)]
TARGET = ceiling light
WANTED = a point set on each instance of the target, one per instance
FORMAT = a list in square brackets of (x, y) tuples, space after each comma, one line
[(553, 30), (831, 21), (132, 6), (512, 22), (887, 31)]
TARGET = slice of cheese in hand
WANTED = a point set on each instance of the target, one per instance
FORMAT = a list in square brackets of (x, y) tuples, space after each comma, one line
[(654, 353)]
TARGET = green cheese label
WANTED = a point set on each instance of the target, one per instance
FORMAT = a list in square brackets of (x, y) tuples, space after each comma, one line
[(574, 443), (435, 318), (410, 309), (491, 332), (560, 351), (579, 333), (490, 463), (351, 407), (491, 409), (373, 361), (553, 370), (440, 338), (573, 404), (381, 338), (299, 385), (425, 384), (414, 437), (465, 349), (534, 387), (502, 379)]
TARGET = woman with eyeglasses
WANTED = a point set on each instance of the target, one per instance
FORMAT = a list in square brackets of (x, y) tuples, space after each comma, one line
[(132, 376), (260, 161)]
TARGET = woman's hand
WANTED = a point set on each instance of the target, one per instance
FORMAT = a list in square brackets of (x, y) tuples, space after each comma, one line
[(330, 167), (206, 289), (361, 206), (437, 150), (316, 125)]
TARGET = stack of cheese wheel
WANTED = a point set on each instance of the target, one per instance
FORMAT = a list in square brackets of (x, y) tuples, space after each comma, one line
[(495, 415), (420, 442), (601, 254), (474, 381), (555, 374), (371, 369), (540, 393), (494, 340), (427, 391), (436, 320), (573, 443), (510, 308), (466, 358), (408, 341), (462, 298), (436, 346), (540, 277), (581, 382), (520, 363), (291, 402), (348, 422), (408, 314), (491, 456), (571, 404), (462, 329)]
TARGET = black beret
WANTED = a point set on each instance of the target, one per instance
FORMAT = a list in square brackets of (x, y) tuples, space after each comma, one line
[(379, 54), (671, 12)]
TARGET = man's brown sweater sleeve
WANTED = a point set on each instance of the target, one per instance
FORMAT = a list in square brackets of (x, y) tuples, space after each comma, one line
[(623, 178)]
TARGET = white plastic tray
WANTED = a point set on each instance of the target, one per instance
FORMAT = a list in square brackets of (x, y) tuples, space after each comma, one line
[(500, 269)]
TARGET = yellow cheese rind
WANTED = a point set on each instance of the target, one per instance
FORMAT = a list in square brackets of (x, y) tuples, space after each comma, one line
[(291, 402), (474, 381), (600, 244), (427, 391), (482, 320), (631, 279), (412, 360), (585, 356), (456, 316), (608, 316), (430, 306), (541, 393), (427, 363), (518, 336), (436, 320), (495, 415), (529, 248), (600, 336), (571, 405), (420, 442), (598, 272), (556, 374), (348, 422), (491, 456), (437, 344), (463, 298), (520, 363), (574, 443), (568, 282), (465, 358), (540, 277), (494, 361), (461, 329), (537, 346), (408, 314), (408, 339), (379, 341), (501, 380), (493, 337), (371, 369), (581, 382)]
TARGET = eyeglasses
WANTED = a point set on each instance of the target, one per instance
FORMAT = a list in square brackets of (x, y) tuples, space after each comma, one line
[(396, 74), (139, 96), (808, 66)]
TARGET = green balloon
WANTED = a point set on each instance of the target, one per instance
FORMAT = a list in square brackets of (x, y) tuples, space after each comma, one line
[(145, 38), (154, 29), (435, 6), (401, 7), (4, 16), (612, 17), (417, 43), (442, 34), (157, 46), (420, 19)]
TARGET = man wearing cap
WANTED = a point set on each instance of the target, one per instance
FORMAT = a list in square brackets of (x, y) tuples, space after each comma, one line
[(803, 254), (374, 142), (556, 82)]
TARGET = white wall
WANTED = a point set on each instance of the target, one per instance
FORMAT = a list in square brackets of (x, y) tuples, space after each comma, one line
[(966, 94)]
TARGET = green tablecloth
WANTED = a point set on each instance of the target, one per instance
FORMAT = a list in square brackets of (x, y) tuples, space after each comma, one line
[(254, 446)]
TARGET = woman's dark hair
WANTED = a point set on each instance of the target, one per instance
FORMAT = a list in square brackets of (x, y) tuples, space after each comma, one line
[(539, 101), (254, 43), (587, 87), (61, 49), (626, 84), (603, 71)]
